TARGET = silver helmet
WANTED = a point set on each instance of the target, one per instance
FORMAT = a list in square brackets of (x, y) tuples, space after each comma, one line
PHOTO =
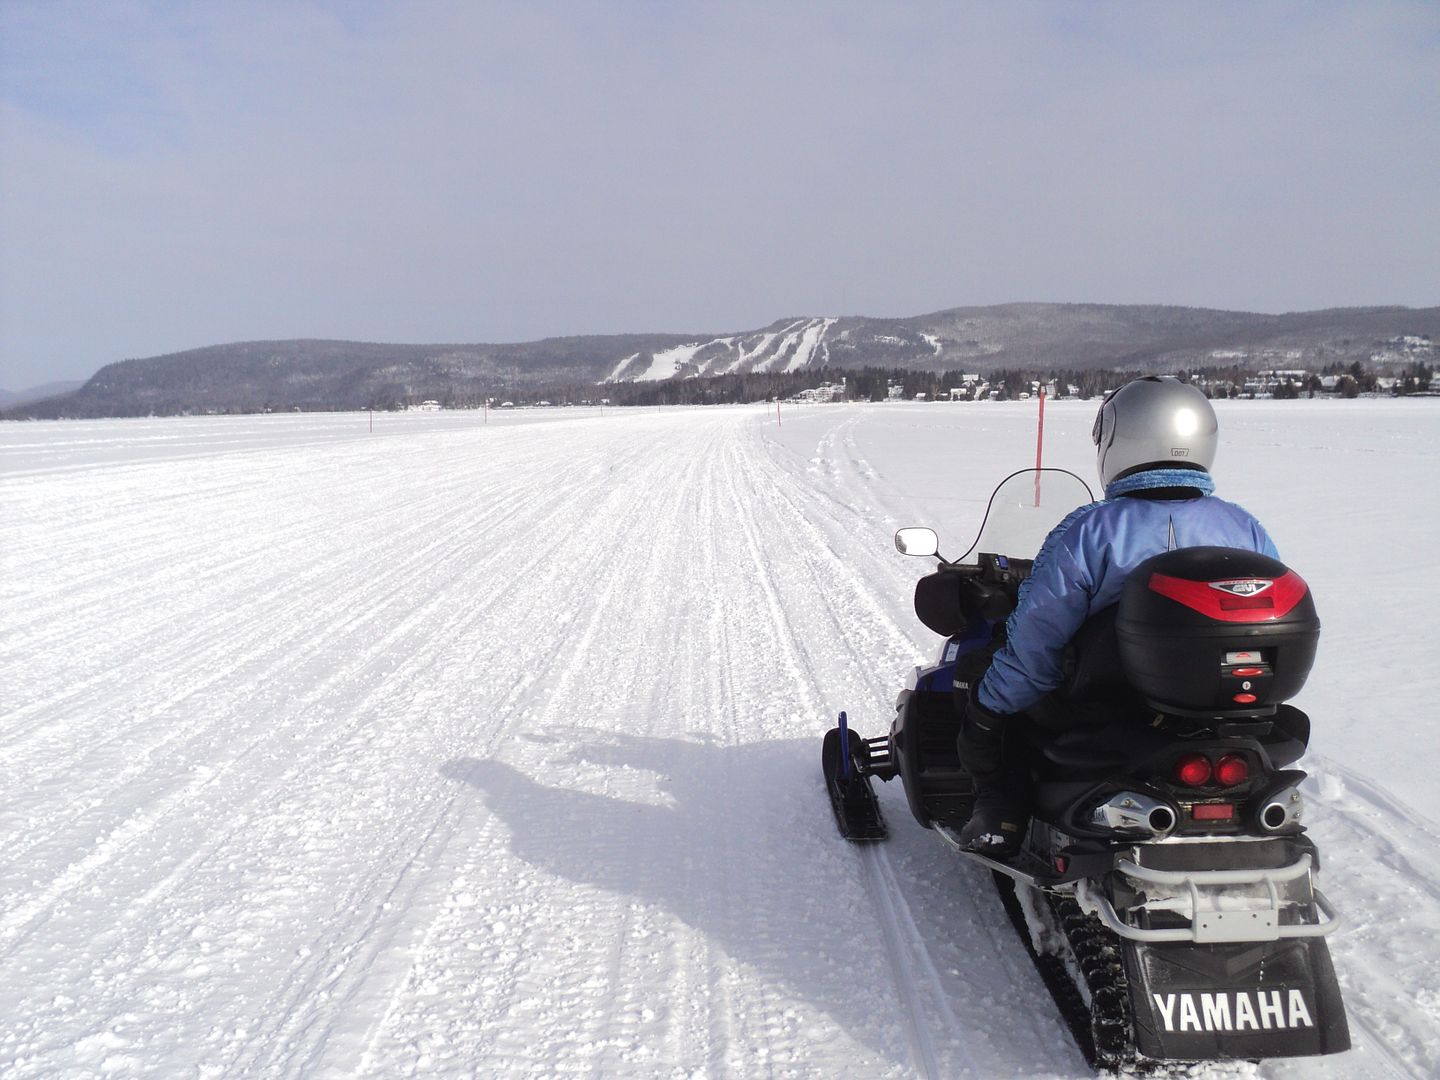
[(1154, 422)]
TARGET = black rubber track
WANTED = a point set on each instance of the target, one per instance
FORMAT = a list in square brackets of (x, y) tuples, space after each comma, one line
[(1102, 1029)]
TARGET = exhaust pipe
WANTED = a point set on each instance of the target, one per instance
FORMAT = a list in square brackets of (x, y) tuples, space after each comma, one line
[(1281, 811), (1129, 811), (1278, 810), (1280, 806)]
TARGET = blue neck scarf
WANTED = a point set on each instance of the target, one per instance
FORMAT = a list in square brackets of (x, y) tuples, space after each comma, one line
[(1149, 479)]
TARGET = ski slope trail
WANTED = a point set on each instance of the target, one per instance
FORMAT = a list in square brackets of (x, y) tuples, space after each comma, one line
[(463, 749)]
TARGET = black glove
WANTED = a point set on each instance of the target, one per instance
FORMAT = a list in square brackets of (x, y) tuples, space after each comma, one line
[(982, 737)]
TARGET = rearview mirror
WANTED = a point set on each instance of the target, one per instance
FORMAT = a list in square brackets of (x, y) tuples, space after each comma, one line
[(917, 541)]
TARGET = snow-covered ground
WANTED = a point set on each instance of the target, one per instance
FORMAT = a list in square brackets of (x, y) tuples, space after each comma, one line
[(456, 749)]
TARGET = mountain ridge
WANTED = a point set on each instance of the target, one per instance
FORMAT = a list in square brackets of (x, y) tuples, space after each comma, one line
[(316, 373)]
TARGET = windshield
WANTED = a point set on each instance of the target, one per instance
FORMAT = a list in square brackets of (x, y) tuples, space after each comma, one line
[(1023, 510)]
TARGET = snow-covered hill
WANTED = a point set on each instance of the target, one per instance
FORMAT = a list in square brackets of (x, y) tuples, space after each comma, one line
[(323, 375), (465, 749), (792, 347)]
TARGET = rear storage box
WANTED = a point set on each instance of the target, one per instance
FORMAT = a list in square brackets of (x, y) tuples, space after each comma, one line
[(1209, 631)]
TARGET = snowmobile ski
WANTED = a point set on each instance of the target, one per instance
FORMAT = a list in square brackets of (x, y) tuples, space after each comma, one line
[(844, 760)]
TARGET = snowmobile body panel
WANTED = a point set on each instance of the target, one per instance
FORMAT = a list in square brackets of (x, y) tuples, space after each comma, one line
[(923, 745)]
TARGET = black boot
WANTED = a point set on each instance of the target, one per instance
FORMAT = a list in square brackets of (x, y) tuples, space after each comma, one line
[(1002, 803), (997, 824)]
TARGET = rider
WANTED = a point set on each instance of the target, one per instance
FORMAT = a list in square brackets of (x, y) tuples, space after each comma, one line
[(1155, 440)]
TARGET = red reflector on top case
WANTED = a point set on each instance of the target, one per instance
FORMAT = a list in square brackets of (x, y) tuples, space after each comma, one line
[(1244, 699), (1281, 597), (1246, 603), (1218, 811), (1247, 672)]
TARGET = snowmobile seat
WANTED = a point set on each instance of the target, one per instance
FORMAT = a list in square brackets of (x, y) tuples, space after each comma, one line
[(1094, 750)]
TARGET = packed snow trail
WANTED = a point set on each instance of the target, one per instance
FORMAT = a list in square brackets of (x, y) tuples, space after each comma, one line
[(464, 749)]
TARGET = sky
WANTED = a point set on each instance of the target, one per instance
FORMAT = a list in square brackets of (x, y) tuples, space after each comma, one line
[(174, 175)]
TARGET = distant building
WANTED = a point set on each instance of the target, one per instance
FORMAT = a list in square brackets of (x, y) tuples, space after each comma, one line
[(825, 392)]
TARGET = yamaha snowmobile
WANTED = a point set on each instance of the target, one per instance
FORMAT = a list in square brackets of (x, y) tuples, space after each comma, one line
[(1165, 887)]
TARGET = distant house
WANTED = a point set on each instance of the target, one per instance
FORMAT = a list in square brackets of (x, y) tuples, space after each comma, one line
[(426, 406), (824, 392)]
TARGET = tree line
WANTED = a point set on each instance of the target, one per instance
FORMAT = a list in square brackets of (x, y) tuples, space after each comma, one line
[(869, 383)]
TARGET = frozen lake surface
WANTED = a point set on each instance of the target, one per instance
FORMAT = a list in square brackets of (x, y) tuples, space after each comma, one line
[(460, 748)]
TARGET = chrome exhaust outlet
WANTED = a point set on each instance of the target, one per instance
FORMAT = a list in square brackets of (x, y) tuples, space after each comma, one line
[(1281, 811), (1129, 811)]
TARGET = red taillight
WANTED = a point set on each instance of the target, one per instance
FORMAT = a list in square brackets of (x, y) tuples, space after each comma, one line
[(1193, 770), (1231, 769), (1215, 811)]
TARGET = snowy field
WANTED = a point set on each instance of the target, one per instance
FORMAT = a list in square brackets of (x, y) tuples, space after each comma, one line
[(463, 749)]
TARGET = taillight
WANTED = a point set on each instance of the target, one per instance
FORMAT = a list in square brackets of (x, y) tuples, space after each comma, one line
[(1231, 769), (1193, 770)]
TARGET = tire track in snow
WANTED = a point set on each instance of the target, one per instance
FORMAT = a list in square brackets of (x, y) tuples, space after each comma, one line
[(277, 655), (918, 1002), (189, 648), (1377, 1042), (1349, 814), (922, 996), (264, 613), (423, 617), (583, 653), (308, 1044), (744, 1032)]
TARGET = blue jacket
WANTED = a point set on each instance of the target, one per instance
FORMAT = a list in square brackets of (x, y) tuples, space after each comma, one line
[(1082, 567)]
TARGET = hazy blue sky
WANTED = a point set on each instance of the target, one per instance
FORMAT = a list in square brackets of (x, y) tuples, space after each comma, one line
[(182, 174)]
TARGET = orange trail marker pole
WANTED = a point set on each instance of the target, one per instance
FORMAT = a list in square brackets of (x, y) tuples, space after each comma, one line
[(1039, 445)]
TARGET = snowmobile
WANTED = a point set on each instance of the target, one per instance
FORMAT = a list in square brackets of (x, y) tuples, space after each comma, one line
[(1165, 888)]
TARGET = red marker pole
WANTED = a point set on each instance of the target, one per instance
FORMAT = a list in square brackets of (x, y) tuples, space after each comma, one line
[(1039, 445)]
